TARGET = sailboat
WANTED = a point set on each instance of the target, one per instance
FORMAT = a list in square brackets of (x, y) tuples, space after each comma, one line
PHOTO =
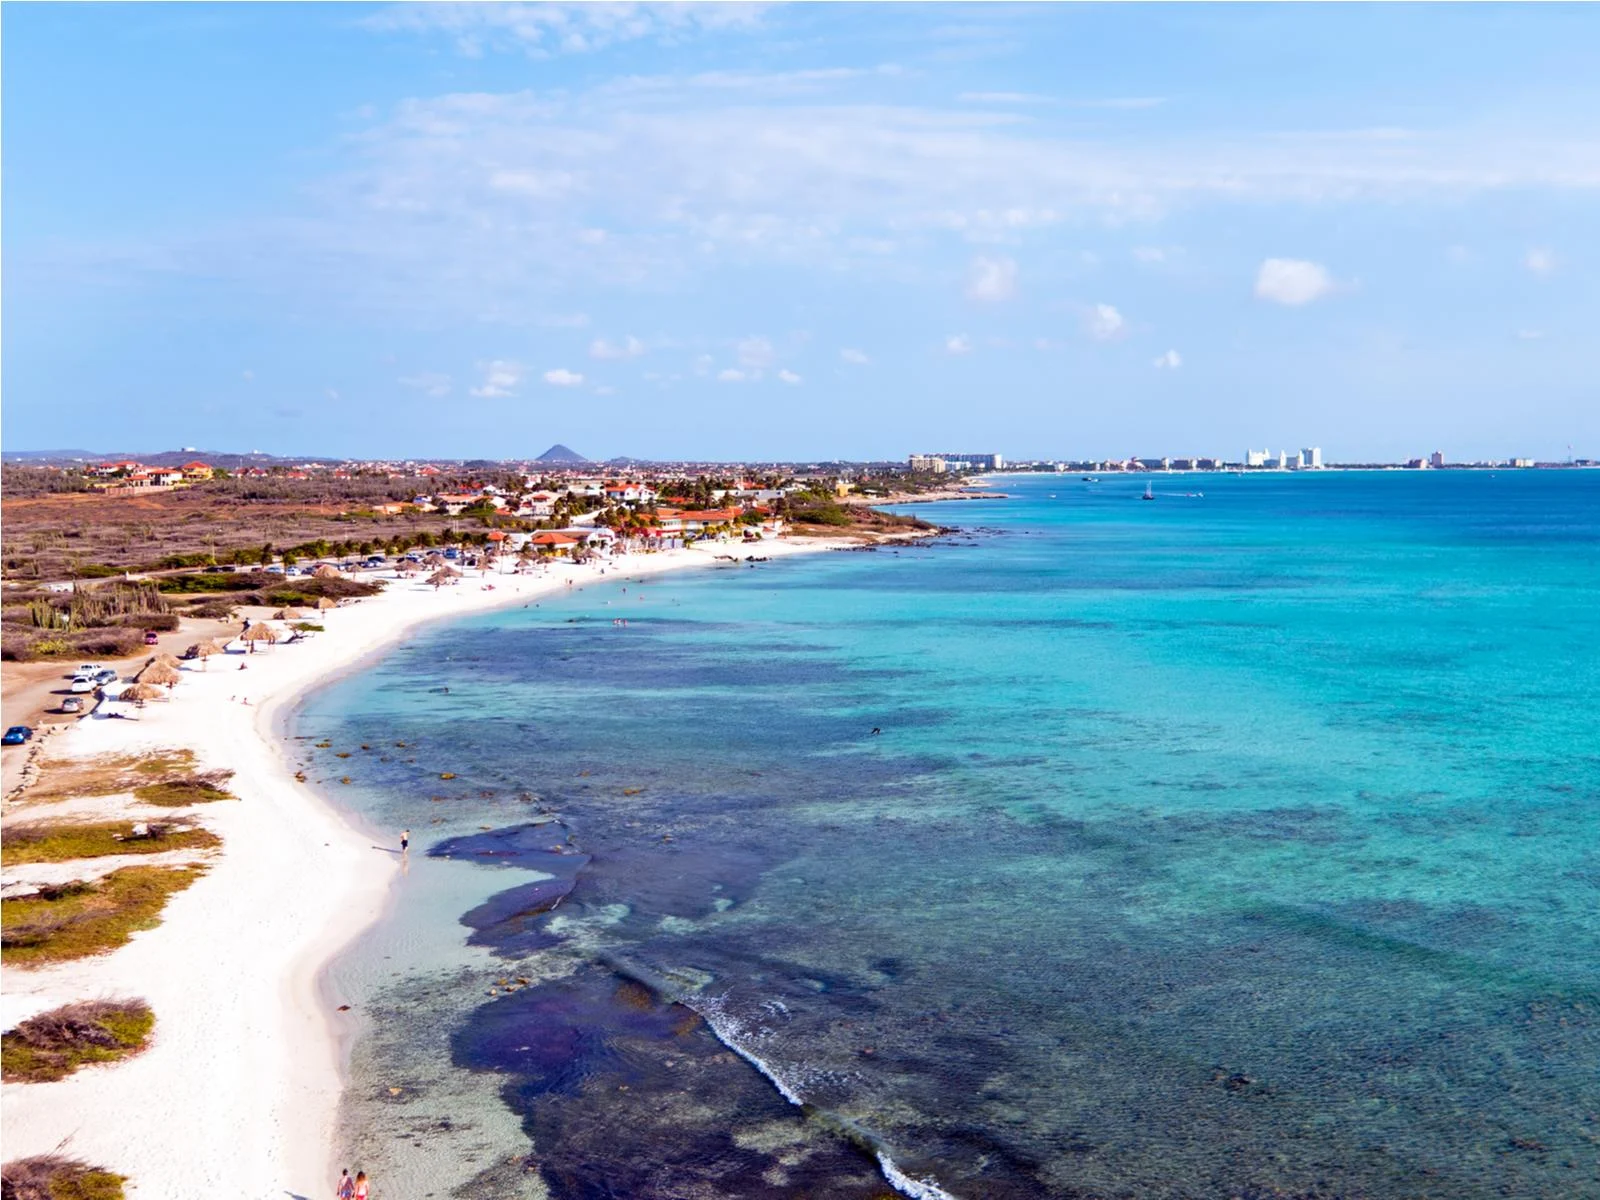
[(1148, 494)]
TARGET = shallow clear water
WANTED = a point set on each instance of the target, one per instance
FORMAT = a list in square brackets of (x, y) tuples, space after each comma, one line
[(1235, 845)]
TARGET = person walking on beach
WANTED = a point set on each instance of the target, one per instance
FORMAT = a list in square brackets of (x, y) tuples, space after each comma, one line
[(347, 1186), (405, 840), (361, 1185)]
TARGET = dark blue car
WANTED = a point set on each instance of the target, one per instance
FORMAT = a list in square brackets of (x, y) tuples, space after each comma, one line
[(16, 735)]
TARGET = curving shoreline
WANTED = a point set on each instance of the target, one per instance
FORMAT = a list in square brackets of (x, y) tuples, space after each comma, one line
[(241, 1085)]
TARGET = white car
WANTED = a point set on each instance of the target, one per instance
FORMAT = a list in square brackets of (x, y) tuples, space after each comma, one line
[(83, 683), (89, 668)]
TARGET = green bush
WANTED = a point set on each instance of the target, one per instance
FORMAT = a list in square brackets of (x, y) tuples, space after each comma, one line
[(54, 1044)]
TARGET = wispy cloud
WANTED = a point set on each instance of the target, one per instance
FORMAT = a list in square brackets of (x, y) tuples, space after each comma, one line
[(857, 358), (629, 347), (432, 383), (958, 343), (500, 378), (1539, 261), (542, 30), (789, 377), (1170, 361), (756, 352), (561, 377), (1105, 323), (991, 280), (1002, 98), (1292, 281)]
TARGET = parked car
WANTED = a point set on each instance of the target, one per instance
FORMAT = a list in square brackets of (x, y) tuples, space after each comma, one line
[(105, 675), (89, 668), (452, 552), (150, 638), (218, 569), (16, 735), (82, 684), (72, 704), (275, 569)]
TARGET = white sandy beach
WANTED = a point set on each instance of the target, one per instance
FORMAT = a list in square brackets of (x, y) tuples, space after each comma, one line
[(239, 1091)]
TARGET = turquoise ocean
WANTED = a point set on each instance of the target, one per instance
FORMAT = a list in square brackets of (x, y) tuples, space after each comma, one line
[(1240, 843)]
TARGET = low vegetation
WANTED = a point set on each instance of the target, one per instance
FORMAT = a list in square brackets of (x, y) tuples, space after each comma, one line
[(52, 1177), (107, 620), (63, 841), (76, 920), (168, 778), (108, 774), (53, 1045), (180, 791)]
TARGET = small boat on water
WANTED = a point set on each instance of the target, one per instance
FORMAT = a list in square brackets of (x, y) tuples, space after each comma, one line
[(1148, 494)]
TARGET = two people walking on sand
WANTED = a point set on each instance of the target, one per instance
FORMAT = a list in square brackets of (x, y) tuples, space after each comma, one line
[(352, 1189)]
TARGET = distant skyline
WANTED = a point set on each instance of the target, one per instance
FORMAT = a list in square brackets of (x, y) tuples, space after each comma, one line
[(802, 232)]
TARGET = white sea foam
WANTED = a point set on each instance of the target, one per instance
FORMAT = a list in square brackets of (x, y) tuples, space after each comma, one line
[(917, 1189), (728, 1030)]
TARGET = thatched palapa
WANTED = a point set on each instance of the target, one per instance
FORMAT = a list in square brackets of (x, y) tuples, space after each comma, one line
[(325, 571), (160, 673), (203, 651), (259, 632)]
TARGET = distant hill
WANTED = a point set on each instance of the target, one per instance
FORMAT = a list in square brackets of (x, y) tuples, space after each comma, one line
[(560, 454), (164, 458), (50, 456)]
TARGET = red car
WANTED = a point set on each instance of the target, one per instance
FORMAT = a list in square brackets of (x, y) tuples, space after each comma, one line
[(150, 638)]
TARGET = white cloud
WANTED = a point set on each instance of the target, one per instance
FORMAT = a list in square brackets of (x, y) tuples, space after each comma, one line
[(411, 225), (1105, 323), (1128, 102), (702, 364), (591, 237), (604, 390), (1530, 335), (1150, 254), (1002, 98), (542, 30), (958, 344), (1170, 361), (564, 321), (756, 352), (788, 376), (247, 375), (561, 377), (732, 375), (500, 378), (1540, 261), (431, 382), (992, 279), (1292, 281), (857, 358), (333, 393), (629, 347)]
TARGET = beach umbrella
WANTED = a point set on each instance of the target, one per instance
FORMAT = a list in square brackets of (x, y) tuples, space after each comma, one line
[(140, 692), (409, 568), (443, 576), (288, 614), (326, 602), (203, 651), (259, 632), (160, 673), (163, 657), (324, 571)]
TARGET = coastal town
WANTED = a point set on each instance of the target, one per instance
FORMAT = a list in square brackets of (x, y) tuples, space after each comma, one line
[(152, 803)]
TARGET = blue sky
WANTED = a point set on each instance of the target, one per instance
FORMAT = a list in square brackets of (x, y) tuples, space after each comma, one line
[(802, 231)]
